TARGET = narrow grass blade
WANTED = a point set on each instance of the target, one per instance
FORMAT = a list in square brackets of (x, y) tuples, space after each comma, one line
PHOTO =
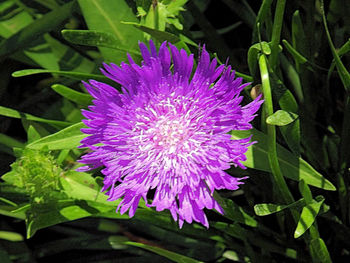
[(18, 115)]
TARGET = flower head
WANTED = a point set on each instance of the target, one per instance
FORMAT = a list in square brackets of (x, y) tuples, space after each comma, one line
[(167, 131)]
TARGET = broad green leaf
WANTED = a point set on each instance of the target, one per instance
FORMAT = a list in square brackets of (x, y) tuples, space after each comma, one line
[(40, 26), (15, 22), (163, 252), (18, 115), (38, 52), (268, 209), (67, 138), (39, 128), (292, 167), (9, 177), (82, 186), (281, 118), (235, 212), (307, 217), (72, 95), (106, 16), (157, 34), (319, 251), (97, 39), (11, 236), (65, 210), (69, 59), (32, 134)]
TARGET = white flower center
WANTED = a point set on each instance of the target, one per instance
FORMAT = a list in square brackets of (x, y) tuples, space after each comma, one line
[(170, 134)]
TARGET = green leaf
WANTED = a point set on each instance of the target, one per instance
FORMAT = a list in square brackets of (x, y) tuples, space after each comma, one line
[(9, 202), (296, 55), (67, 138), (235, 212), (253, 53), (11, 236), (11, 24), (8, 211), (281, 118), (106, 16), (163, 252), (341, 51), (307, 217), (292, 167), (293, 76), (69, 74), (234, 230), (81, 186), (72, 95), (10, 142), (97, 39), (68, 59), (65, 210), (268, 209), (319, 251), (262, 16), (342, 71), (32, 134), (305, 192), (287, 102), (18, 115), (40, 26), (299, 41), (41, 53), (157, 34)]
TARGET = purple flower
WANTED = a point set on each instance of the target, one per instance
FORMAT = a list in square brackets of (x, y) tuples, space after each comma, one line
[(167, 132)]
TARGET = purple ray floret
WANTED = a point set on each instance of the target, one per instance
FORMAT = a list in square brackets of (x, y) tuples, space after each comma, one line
[(167, 132)]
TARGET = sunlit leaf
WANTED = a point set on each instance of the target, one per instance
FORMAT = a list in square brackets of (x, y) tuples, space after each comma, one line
[(97, 39), (292, 167), (72, 95), (11, 236), (281, 118), (106, 16), (38, 27), (319, 251), (307, 217), (18, 115), (268, 209), (67, 138)]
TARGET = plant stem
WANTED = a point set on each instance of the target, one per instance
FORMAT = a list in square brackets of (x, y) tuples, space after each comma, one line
[(271, 132), (276, 32)]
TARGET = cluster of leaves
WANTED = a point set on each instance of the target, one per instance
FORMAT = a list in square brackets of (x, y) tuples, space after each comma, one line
[(303, 134)]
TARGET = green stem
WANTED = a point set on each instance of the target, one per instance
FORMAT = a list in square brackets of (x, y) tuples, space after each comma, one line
[(271, 132), (276, 32)]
